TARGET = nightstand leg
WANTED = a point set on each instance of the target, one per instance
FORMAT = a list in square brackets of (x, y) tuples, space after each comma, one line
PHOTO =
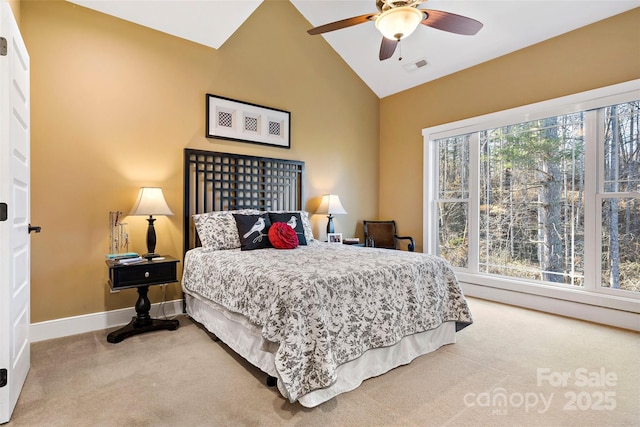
[(143, 305), (143, 321)]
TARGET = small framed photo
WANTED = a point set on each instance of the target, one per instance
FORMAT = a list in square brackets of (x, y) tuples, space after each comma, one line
[(334, 237)]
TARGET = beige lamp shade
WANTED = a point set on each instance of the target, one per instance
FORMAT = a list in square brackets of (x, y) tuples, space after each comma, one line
[(151, 202), (330, 204)]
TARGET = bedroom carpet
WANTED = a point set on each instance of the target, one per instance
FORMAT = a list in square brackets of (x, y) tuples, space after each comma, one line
[(511, 367)]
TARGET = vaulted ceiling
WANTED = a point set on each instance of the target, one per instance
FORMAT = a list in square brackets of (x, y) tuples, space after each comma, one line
[(509, 25)]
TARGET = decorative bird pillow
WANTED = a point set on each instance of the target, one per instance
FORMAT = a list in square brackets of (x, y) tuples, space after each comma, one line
[(253, 231), (293, 220)]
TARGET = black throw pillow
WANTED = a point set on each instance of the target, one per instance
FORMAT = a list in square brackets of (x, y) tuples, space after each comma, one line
[(253, 231), (293, 220)]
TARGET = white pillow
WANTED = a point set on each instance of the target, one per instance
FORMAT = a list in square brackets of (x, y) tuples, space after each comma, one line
[(218, 230)]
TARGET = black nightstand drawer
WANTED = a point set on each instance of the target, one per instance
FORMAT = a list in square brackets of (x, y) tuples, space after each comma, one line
[(145, 273)]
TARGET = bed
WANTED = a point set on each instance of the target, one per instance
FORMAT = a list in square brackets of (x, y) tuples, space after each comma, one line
[(320, 318)]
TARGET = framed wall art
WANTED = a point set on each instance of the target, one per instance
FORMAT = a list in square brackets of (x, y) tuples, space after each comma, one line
[(241, 121)]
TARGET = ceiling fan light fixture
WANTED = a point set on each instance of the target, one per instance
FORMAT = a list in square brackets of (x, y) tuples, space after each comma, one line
[(399, 22)]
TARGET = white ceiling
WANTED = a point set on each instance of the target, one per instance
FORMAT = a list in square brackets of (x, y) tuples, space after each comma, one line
[(509, 25), (208, 22)]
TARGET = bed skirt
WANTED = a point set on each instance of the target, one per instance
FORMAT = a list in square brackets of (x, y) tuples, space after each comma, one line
[(245, 339)]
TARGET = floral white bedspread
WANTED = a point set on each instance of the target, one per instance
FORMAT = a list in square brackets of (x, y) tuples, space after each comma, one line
[(326, 304)]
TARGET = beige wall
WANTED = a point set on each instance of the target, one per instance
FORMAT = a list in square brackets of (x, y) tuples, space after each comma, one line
[(598, 55), (114, 104)]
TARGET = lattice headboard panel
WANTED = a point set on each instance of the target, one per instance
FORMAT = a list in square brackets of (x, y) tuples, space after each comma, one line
[(215, 181)]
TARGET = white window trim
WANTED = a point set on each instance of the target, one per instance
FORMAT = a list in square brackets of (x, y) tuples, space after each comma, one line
[(603, 306)]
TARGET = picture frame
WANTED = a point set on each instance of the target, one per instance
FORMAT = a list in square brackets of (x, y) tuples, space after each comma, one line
[(234, 120), (334, 237)]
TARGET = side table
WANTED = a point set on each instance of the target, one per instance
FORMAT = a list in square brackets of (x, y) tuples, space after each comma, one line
[(141, 275)]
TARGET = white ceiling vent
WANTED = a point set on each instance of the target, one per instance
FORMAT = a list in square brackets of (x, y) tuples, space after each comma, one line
[(414, 65)]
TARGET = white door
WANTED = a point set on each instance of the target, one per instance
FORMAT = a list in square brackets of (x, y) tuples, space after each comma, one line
[(14, 213)]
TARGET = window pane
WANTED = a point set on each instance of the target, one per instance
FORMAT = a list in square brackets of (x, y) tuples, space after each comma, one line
[(531, 201), (620, 244), (620, 264), (622, 148), (453, 183), (453, 176), (453, 238)]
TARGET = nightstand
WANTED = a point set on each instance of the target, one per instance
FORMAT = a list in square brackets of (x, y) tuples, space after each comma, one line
[(141, 275)]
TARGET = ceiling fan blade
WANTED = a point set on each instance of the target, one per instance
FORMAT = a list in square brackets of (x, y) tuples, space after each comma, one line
[(451, 22), (387, 47), (344, 23)]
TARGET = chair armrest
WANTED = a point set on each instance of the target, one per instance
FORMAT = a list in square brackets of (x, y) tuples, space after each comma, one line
[(412, 243)]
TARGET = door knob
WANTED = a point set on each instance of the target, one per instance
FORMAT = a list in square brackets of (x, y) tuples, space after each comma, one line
[(35, 228)]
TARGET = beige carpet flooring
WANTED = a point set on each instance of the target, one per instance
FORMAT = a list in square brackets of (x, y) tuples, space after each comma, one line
[(512, 367)]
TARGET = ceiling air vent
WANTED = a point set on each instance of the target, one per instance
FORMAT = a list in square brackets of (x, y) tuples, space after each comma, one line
[(414, 65)]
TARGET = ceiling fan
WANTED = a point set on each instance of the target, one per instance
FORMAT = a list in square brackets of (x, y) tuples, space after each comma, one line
[(397, 19)]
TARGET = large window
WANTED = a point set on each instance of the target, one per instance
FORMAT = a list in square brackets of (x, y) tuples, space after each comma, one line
[(552, 200)]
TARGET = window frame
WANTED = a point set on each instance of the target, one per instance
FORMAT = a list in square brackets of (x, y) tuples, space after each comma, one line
[(592, 292)]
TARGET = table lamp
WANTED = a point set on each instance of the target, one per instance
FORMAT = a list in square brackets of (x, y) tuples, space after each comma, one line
[(151, 202), (330, 204)]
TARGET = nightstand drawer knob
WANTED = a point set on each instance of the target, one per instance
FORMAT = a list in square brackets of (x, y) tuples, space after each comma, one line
[(146, 274)]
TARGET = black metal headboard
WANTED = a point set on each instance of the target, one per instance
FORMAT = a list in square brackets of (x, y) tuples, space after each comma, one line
[(215, 181)]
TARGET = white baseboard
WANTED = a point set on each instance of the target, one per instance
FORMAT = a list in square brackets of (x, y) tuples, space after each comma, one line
[(58, 328), (577, 310)]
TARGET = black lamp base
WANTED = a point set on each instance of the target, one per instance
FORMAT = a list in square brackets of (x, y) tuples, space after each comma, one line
[(151, 239), (330, 228)]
